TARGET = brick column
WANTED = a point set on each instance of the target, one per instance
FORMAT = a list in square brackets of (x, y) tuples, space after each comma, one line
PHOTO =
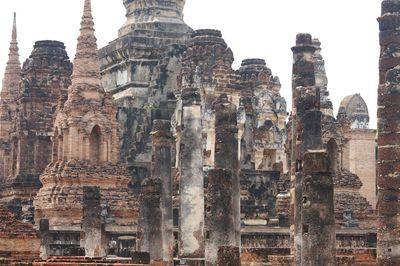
[(313, 220), (388, 163), (303, 76)]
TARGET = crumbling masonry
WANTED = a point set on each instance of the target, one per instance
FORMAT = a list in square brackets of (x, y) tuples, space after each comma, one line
[(154, 150)]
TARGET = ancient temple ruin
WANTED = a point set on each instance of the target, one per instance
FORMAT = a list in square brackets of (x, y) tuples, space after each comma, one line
[(154, 150)]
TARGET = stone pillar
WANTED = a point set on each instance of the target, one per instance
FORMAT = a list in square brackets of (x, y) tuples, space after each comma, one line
[(219, 218), (318, 220), (92, 234), (388, 163), (161, 169), (44, 237), (149, 224), (303, 76), (313, 213), (191, 226), (226, 152)]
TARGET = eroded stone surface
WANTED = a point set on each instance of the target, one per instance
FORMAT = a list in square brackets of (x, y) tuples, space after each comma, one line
[(388, 135)]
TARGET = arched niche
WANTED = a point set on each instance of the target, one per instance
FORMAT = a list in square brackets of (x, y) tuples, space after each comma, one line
[(95, 145), (15, 150), (56, 145), (332, 149)]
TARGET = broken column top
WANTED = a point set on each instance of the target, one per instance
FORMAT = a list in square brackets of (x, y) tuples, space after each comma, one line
[(161, 132), (225, 112), (161, 125), (304, 39), (390, 6), (304, 43), (151, 186)]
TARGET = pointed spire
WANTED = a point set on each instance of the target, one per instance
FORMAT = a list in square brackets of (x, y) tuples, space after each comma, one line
[(12, 73), (14, 30), (86, 63)]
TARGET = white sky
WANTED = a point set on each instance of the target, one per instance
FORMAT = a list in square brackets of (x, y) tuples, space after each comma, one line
[(265, 29)]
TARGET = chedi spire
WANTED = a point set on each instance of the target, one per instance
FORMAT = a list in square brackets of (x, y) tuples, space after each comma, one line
[(86, 61), (13, 69)]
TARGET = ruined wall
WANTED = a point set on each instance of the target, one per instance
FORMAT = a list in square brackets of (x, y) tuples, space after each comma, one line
[(352, 210)]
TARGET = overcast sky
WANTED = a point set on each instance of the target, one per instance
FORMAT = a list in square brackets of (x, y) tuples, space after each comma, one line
[(265, 29)]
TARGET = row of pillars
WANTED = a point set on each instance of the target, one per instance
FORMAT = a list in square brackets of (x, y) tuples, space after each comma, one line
[(209, 223)]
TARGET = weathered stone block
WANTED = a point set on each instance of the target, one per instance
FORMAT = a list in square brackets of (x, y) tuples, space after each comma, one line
[(228, 256), (141, 257)]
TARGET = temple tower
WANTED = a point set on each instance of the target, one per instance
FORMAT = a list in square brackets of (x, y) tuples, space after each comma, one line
[(8, 101), (262, 118), (28, 102), (140, 70), (388, 163), (86, 154)]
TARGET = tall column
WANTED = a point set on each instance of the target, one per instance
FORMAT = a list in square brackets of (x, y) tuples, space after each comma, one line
[(313, 219), (226, 151), (191, 226), (219, 218), (92, 235), (149, 224), (318, 219), (44, 228), (303, 76), (388, 163), (161, 169), (317, 212)]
